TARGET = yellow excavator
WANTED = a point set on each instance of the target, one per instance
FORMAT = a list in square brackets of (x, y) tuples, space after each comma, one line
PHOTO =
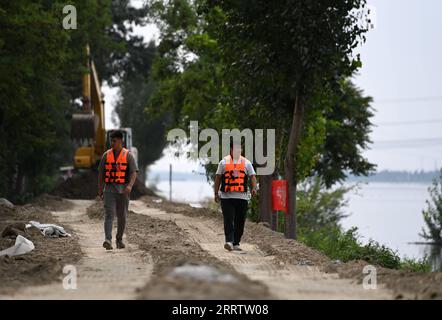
[(88, 126)]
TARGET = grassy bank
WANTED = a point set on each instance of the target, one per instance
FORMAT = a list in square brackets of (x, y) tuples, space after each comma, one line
[(319, 212)]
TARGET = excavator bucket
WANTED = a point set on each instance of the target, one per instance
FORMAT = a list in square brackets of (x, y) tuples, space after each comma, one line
[(83, 126)]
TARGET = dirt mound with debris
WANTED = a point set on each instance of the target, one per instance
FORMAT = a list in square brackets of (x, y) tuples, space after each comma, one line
[(51, 202), (96, 210), (269, 241), (183, 270), (45, 262), (404, 284), (84, 185)]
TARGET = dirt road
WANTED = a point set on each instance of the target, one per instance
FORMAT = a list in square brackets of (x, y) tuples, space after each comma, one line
[(117, 274), (101, 274), (284, 281)]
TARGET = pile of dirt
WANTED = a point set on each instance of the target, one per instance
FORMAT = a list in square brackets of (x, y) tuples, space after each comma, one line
[(139, 190), (173, 250), (269, 241), (45, 262), (404, 284), (84, 185), (96, 210), (51, 202), (286, 250)]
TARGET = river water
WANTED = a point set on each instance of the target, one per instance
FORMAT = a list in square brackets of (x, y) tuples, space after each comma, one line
[(390, 213)]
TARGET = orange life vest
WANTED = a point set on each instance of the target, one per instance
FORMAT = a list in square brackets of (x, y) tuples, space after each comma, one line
[(115, 171), (234, 178)]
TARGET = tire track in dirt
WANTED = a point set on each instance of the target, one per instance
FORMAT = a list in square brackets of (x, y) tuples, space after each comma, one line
[(284, 281), (101, 274)]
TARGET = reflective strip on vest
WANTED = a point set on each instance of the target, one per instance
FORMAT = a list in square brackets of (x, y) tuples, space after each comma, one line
[(234, 178), (115, 171)]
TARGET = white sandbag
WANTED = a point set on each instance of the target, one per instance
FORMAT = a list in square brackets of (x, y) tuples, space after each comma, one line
[(50, 230), (21, 246)]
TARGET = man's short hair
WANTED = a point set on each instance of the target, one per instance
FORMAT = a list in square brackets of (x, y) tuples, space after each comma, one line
[(116, 134)]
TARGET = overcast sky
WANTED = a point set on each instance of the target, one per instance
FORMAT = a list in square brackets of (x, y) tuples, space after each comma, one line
[(402, 71)]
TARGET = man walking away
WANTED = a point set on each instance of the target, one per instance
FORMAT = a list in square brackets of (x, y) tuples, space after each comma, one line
[(231, 185), (117, 173)]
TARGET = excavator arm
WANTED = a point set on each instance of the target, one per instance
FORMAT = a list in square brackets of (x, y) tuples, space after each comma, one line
[(88, 126)]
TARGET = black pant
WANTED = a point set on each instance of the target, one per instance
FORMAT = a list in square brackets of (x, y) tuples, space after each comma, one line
[(234, 212)]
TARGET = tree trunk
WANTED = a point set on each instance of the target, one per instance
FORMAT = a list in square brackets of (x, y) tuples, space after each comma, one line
[(19, 183), (290, 168), (142, 174), (265, 200)]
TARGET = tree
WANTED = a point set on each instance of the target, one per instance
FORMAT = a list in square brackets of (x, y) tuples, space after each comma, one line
[(296, 48), (33, 124), (347, 133), (433, 214), (136, 85), (319, 207), (41, 65), (149, 136), (221, 88)]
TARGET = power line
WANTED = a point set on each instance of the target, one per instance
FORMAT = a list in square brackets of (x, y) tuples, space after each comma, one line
[(407, 143), (406, 100), (432, 139), (398, 123)]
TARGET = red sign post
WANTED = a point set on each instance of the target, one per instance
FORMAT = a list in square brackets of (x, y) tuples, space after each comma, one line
[(279, 195)]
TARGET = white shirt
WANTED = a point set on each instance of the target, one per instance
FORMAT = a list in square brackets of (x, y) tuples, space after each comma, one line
[(235, 195)]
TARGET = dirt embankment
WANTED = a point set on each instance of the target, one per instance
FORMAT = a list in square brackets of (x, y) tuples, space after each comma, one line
[(404, 284), (84, 185), (42, 265), (182, 269), (52, 203), (270, 242)]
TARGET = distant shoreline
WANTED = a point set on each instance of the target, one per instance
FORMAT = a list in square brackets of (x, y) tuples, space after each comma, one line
[(381, 176), (397, 177)]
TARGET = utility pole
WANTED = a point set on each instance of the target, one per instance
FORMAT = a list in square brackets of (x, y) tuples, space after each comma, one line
[(170, 182)]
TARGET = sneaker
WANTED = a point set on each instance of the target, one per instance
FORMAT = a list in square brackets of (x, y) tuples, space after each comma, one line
[(228, 246), (107, 245), (120, 245), (237, 248)]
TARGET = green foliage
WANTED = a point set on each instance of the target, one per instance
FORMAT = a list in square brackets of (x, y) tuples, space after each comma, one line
[(433, 214), (311, 143), (318, 207), (275, 51), (348, 113), (421, 265), (32, 122), (345, 246), (41, 65), (252, 211), (136, 89), (213, 89)]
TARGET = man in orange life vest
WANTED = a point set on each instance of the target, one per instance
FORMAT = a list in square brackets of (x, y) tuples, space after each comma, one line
[(117, 173), (231, 184)]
